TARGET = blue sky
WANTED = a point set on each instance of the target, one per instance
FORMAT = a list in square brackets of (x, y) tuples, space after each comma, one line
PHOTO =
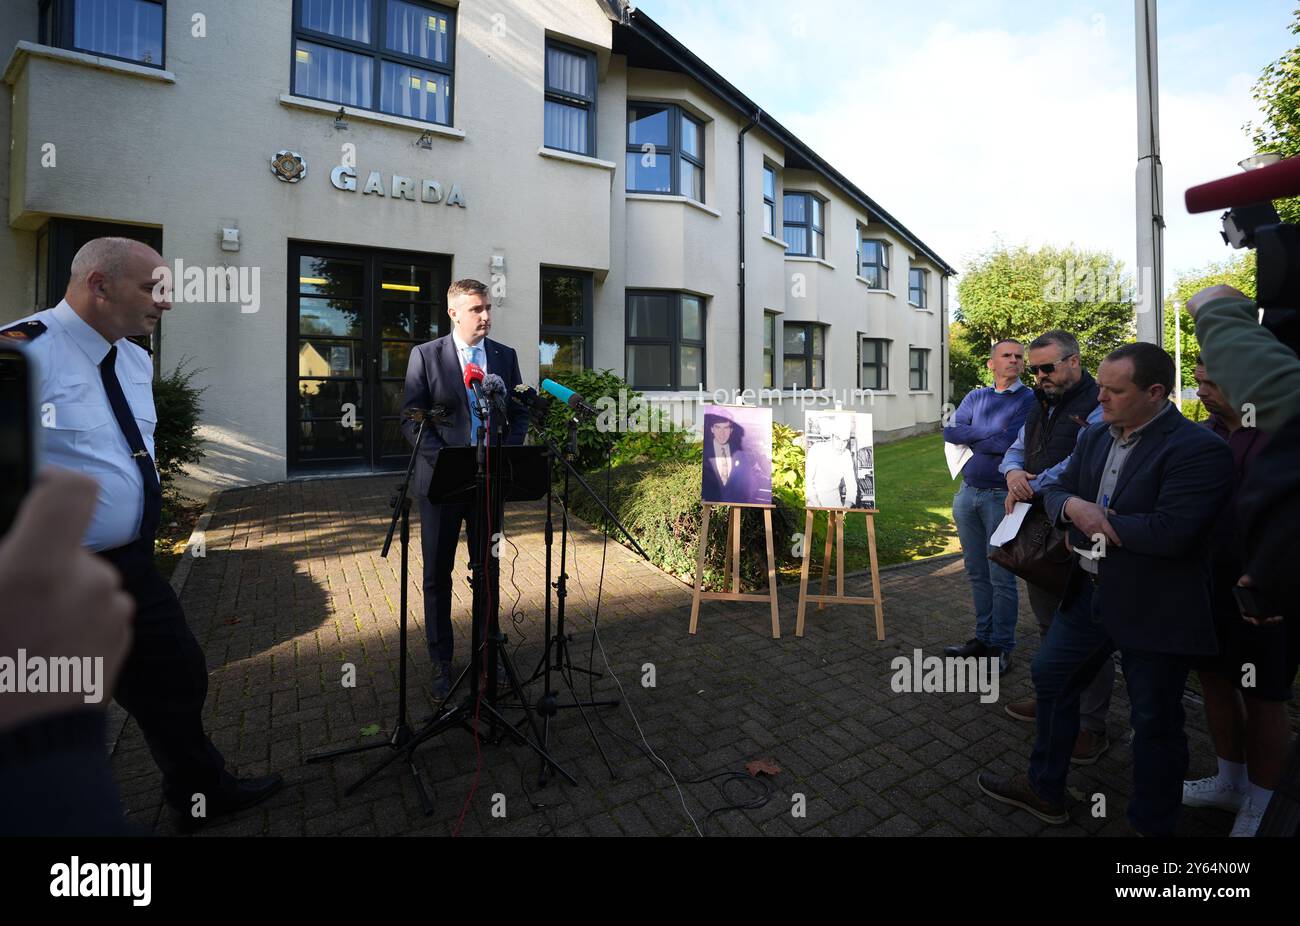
[(978, 122)]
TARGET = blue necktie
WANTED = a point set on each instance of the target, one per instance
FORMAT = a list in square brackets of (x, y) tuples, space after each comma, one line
[(131, 431), (471, 356)]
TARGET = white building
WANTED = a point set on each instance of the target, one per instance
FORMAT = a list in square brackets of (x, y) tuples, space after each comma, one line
[(572, 154)]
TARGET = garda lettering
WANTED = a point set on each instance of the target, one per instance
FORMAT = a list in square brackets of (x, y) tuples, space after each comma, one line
[(399, 187)]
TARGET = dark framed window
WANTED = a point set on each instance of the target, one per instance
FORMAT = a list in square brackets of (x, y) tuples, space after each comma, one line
[(665, 151), (916, 286), (802, 227), (391, 56), (570, 117), (128, 30), (769, 200), (873, 354), (769, 349), (566, 320), (873, 261), (665, 341), (919, 372), (804, 355)]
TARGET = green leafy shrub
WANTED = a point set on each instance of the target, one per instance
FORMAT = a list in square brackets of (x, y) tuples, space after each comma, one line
[(1194, 410), (659, 503), (176, 437)]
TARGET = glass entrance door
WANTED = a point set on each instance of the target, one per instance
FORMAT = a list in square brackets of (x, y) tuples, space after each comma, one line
[(354, 316)]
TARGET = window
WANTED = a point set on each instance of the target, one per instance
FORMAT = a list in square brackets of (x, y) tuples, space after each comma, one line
[(873, 261), (769, 349), (919, 372), (916, 284), (874, 354), (566, 323), (803, 232), (804, 353), (393, 56), (128, 30), (665, 151), (769, 200), (570, 99), (665, 341)]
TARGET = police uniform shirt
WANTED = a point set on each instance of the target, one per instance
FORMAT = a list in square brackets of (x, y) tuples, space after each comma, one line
[(77, 428)]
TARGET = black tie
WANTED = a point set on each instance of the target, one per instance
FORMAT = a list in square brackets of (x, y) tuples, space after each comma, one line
[(131, 431)]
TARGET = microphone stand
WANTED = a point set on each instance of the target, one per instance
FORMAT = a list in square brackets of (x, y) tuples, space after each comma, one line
[(548, 704), (402, 734)]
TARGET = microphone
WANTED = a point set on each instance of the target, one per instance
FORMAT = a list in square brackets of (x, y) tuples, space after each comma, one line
[(1264, 184), (435, 415), (494, 390), (473, 381), (570, 398), (529, 397)]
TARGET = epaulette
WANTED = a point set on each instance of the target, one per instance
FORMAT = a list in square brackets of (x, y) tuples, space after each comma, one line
[(24, 331), (141, 341)]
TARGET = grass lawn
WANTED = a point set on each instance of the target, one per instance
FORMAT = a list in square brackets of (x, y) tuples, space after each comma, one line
[(914, 495)]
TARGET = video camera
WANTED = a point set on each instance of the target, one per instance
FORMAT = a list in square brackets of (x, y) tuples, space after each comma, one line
[(1252, 222)]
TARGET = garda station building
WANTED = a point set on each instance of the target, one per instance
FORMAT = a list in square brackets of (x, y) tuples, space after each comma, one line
[(316, 172)]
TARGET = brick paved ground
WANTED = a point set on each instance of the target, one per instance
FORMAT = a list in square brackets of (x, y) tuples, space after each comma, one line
[(292, 587)]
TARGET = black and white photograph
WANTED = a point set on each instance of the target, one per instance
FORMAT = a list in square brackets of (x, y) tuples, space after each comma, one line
[(839, 469)]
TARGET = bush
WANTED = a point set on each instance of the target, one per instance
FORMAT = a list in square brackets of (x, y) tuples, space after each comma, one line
[(176, 437), (595, 445), (1194, 410), (659, 503)]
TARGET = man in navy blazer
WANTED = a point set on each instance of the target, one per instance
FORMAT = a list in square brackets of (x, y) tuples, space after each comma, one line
[(435, 377), (1139, 497)]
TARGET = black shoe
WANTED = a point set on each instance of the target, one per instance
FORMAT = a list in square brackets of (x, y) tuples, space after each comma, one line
[(442, 679), (974, 647), (241, 794), (1004, 659)]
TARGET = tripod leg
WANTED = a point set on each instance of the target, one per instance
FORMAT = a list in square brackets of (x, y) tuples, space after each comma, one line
[(577, 702), (531, 744)]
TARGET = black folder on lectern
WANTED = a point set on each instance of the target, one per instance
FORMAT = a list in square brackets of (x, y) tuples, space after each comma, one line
[(521, 473)]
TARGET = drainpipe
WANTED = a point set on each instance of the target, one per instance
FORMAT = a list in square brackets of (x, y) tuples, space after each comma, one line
[(740, 143)]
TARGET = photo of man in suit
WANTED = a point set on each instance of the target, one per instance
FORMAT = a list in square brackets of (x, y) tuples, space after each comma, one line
[(735, 471), (435, 376)]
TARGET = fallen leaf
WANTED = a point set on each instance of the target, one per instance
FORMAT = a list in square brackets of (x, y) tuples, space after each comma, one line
[(764, 766), (372, 730)]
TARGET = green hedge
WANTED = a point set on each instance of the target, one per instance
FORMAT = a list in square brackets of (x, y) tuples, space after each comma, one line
[(176, 437)]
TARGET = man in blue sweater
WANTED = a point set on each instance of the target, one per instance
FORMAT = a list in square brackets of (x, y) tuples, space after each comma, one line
[(988, 421)]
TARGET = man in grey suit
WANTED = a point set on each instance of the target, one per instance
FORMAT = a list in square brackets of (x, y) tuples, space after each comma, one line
[(435, 376)]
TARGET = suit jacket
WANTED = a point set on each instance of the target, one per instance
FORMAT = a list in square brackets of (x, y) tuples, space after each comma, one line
[(1155, 588), (433, 378), (740, 483)]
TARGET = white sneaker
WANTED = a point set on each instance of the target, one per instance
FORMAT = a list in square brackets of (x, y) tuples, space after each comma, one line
[(1247, 819), (1211, 792)]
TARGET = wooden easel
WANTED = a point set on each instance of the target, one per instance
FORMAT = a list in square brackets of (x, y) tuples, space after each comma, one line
[(732, 566), (835, 529)]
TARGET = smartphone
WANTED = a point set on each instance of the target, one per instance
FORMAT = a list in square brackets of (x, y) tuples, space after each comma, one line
[(1255, 604), (17, 433)]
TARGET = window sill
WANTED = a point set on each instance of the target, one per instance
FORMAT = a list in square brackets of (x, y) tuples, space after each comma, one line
[(779, 242), (572, 158), (811, 260), (672, 198), (24, 50), (920, 392), (366, 115), (874, 289)]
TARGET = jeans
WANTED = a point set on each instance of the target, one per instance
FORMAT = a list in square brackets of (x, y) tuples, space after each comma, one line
[(978, 513), (1094, 702), (1075, 646)]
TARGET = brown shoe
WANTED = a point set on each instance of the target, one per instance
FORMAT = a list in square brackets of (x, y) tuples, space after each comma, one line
[(1017, 792), (1026, 710), (1089, 747)]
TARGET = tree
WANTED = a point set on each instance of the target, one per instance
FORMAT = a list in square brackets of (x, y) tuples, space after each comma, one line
[(1018, 293), (966, 370), (1278, 93), (1237, 271)]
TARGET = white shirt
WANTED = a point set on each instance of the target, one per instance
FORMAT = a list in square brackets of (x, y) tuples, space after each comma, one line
[(722, 461), (462, 353), (827, 466), (78, 429)]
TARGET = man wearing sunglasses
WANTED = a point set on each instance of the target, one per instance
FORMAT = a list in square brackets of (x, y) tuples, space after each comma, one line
[(1066, 397)]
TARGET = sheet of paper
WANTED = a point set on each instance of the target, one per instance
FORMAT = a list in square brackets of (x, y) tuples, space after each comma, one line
[(1010, 525), (958, 455)]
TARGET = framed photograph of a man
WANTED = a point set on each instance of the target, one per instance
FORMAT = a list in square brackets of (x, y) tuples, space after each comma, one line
[(737, 455), (839, 461)]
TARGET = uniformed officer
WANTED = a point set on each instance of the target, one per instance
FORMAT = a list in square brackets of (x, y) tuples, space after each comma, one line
[(95, 395)]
